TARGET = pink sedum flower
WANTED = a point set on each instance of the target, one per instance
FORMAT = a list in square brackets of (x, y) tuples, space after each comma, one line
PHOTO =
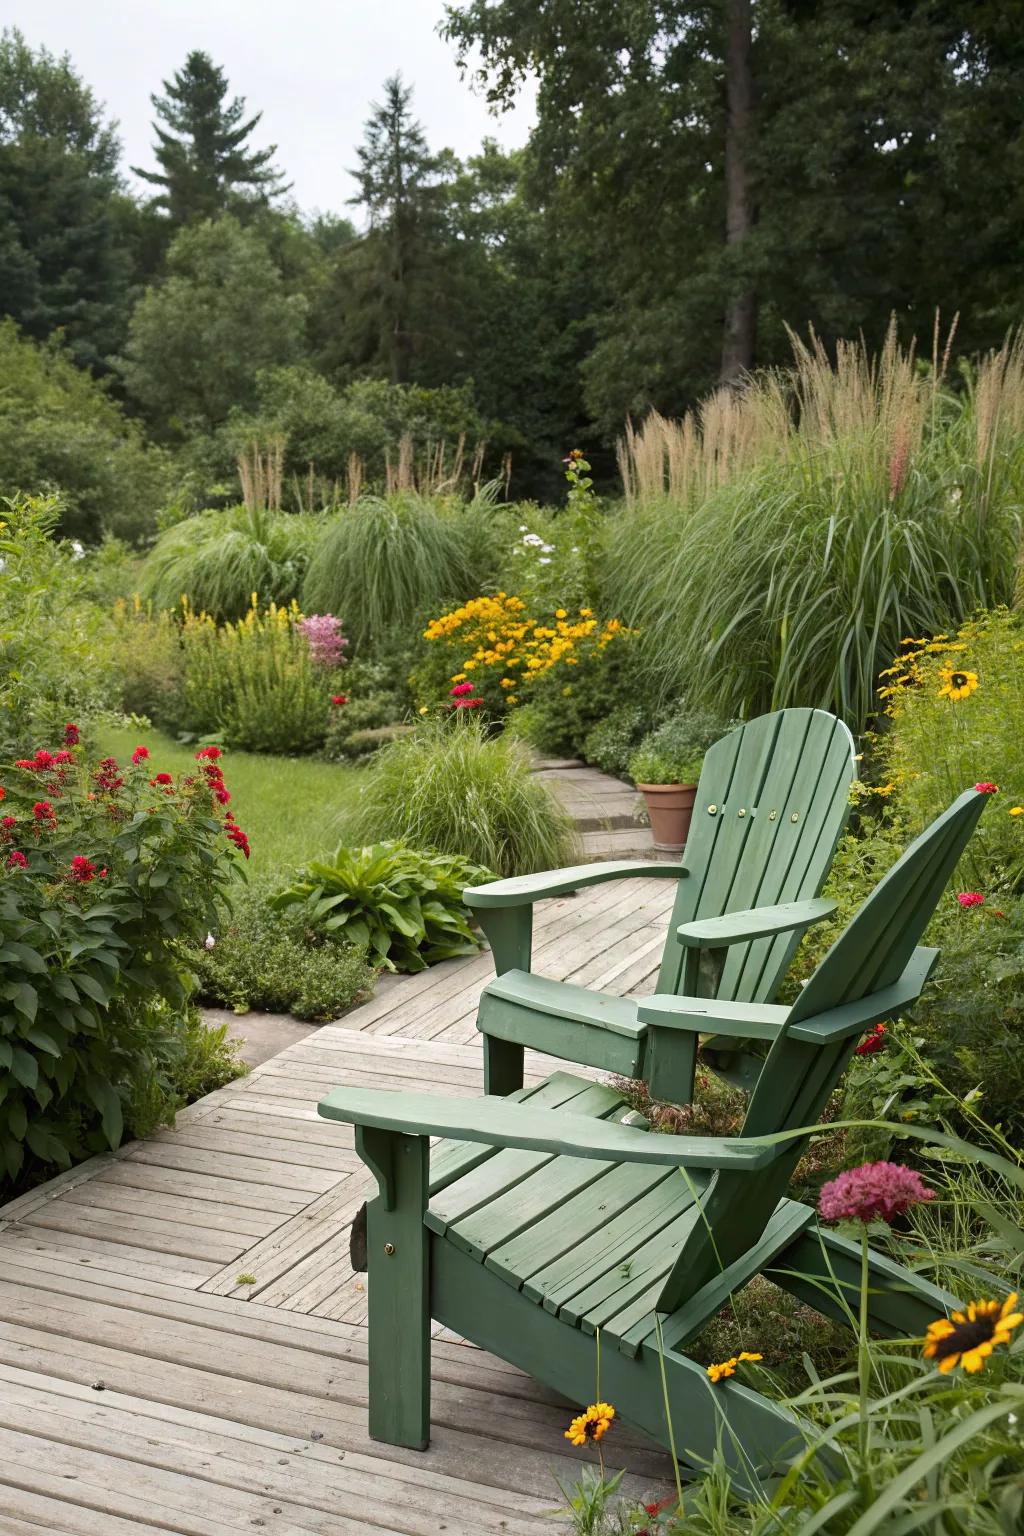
[(873, 1190)]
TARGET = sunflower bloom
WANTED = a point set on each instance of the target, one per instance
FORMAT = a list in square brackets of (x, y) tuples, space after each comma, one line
[(957, 685), (969, 1337), (594, 1424)]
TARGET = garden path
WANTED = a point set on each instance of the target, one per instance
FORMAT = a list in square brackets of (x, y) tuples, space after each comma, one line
[(144, 1387), (606, 810)]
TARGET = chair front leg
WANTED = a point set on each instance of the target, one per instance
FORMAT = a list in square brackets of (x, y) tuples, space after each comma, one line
[(503, 1066), (398, 1286), (669, 1063)]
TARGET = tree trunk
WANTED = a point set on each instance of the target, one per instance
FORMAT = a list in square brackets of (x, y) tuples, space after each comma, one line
[(741, 315)]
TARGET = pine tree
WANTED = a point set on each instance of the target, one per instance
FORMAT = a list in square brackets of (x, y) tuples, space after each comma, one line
[(402, 185), (204, 162)]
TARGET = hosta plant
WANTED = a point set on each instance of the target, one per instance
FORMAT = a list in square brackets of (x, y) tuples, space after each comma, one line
[(105, 871), (403, 906)]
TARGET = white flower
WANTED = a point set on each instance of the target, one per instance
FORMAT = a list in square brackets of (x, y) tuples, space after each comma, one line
[(210, 941), (548, 549), (3, 563), (543, 560), (533, 539), (524, 528), (77, 549)]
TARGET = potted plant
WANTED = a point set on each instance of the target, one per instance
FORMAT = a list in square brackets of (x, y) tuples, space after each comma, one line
[(669, 787), (666, 766)]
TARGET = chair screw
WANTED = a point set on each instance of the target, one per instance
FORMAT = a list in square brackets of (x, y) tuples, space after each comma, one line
[(389, 1249)]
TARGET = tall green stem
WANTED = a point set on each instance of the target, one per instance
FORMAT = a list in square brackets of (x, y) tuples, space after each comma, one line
[(863, 1359)]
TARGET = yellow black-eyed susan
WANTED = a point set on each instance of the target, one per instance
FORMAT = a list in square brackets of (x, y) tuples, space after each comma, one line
[(969, 1337), (957, 685), (592, 1425)]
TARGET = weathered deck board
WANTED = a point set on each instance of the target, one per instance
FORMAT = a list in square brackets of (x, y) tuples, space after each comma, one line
[(143, 1389)]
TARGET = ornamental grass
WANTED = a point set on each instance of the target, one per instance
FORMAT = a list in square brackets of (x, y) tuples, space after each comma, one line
[(452, 787), (217, 559), (775, 548)]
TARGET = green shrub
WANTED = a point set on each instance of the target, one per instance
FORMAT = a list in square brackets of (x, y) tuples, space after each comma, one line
[(386, 562), (182, 1059), (61, 431), (401, 905), (105, 873), (348, 734), (674, 752), (261, 958), (813, 521), (58, 656), (255, 684), (151, 661), (452, 787), (219, 559), (610, 743)]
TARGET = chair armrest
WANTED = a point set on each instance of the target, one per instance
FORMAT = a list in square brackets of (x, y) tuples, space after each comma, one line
[(712, 1016), (524, 890), (758, 923), (502, 1123), (888, 1003)]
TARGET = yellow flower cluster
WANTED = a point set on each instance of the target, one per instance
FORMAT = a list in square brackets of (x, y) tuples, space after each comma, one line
[(497, 632), (727, 1368), (272, 619), (909, 671)]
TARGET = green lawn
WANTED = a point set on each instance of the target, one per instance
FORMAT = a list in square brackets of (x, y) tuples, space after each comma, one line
[(289, 807)]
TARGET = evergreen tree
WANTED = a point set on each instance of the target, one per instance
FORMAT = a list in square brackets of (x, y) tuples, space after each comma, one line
[(62, 264), (394, 272), (205, 167)]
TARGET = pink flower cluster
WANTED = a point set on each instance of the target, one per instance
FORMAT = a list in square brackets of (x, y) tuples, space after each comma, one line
[(325, 639), (970, 899), (460, 696), (872, 1190), (986, 787)]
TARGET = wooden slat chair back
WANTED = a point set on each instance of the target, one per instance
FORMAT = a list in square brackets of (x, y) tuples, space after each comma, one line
[(772, 802), (771, 805), (874, 953)]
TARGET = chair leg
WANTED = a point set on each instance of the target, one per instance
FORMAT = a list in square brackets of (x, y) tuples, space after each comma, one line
[(398, 1286), (503, 1066)]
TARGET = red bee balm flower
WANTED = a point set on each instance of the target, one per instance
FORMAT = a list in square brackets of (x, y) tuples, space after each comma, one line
[(211, 753), (72, 735), (338, 699), (970, 898), (986, 787), (140, 754), (82, 869), (162, 778), (872, 1190), (43, 812), (875, 1041), (237, 836), (8, 821), (3, 793), (17, 860)]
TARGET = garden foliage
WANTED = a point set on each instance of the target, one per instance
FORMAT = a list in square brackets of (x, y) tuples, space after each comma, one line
[(451, 786), (105, 872), (218, 559), (402, 906)]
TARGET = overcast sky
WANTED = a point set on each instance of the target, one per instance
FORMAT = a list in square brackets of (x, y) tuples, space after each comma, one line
[(311, 66)]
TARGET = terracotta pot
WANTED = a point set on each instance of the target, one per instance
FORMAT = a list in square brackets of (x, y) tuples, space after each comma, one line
[(670, 807)]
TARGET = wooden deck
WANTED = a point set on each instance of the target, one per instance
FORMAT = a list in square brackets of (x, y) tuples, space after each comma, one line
[(145, 1386)]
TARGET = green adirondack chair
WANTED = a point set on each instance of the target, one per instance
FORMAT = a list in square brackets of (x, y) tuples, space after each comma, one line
[(547, 1217), (771, 804)]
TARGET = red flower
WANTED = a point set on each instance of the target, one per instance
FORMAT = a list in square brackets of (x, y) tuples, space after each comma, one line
[(970, 898), (221, 795), (3, 793), (72, 735), (63, 757), (986, 787), (43, 812), (872, 1042), (17, 860), (469, 703), (8, 821), (212, 753), (43, 759), (338, 699), (108, 779), (82, 869), (140, 754), (162, 778), (460, 690), (238, 837)]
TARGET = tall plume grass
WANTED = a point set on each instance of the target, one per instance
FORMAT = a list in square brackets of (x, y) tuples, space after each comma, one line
[(219, 559), (776, 548)]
